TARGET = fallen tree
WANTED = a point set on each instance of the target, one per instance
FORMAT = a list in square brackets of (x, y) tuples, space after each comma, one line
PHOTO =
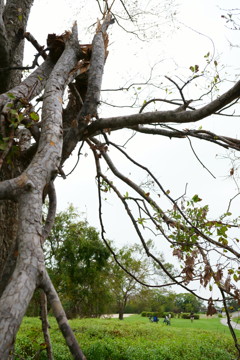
[(33, 151)]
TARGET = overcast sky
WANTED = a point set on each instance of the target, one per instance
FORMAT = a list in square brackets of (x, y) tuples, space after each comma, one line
[(197, 29)]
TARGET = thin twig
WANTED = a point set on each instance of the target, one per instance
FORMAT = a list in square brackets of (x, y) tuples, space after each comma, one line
[(34, 64), (195, 154), (37, 46)]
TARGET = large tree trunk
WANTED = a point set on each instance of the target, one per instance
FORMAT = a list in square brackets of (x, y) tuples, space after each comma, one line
[(8, 243), (12, 28), (22, 267), (30, 261), (120, 314)]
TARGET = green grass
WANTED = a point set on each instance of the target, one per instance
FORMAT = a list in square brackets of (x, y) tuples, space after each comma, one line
[(209, 324), (134, 338)]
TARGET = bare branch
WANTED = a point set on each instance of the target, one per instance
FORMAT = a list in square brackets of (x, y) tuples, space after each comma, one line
[(45, 325), (194, 152), (51, 211), (125, 8), (175, 281), (178, 87), (37, 46), (34, 64), (61, 318), (166, 101), (153, 204), (165, 116)]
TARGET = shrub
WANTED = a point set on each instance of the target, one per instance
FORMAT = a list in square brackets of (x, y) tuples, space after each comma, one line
[(188, 315), (166, 313), (137, 339), (151, 314)]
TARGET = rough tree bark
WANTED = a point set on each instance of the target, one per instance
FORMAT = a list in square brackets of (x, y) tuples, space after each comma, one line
[(40, 165), (11, 49), (27, 175)]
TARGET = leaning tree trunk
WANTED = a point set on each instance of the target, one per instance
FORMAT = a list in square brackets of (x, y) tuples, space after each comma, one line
[(30, 262), (39, 164)]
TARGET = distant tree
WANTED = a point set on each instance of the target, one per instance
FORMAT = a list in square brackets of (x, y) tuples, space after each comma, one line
[(142, 301), (77, 262), (188, 303), (163, 300), (122, 284), (130, 283)]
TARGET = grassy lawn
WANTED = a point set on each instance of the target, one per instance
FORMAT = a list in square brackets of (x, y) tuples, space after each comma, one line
[(134, 338), (208, 324)]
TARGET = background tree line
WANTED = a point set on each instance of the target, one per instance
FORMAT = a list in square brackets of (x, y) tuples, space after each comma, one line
[(89, 281)]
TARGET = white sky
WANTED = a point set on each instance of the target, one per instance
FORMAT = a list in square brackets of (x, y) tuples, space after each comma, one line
[(174, 48)]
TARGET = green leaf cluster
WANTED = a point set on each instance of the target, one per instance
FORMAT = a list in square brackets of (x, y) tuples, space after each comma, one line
[(77, 263)]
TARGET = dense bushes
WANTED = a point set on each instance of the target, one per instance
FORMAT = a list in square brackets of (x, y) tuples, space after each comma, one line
[(151, 314), (167, 313), (188, 316)]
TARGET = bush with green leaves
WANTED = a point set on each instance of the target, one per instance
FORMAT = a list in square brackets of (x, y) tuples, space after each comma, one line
[(77, 263), (151, 314), (167, 313), (188, 316)]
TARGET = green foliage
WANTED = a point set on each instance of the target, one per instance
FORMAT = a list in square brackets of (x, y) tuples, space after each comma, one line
[(233, 305), (19, 114), (34, 116), (77, 263), (151, 314), (30, 339), (152, 300), (122, 284), (188, 316), (133, 339), (4, 143), (88, 280), (158, 314), (192, 224), (167, 313), (188, 303)]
